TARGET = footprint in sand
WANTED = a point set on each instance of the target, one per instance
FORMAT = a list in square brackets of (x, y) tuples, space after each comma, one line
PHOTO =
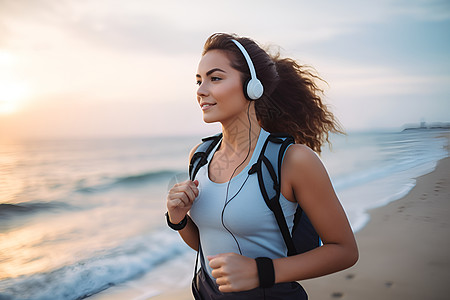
[(337, 295), (438, 186), (350, 276), (340, 294)]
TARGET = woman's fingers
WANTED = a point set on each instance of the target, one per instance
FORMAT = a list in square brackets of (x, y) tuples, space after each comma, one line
[(180, 199), (234, 272), (187, 188)]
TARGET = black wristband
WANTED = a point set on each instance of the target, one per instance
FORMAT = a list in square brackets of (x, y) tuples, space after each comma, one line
[(178, 226), (266, 272)]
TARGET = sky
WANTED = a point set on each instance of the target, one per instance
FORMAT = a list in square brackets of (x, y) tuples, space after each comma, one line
[(107, 68)]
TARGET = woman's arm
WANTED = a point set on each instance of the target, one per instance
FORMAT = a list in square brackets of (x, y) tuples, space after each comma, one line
[(306, 181), (179, 201), (189, 234)]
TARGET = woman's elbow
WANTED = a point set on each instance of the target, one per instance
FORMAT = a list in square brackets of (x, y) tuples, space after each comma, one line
[(352, 255)]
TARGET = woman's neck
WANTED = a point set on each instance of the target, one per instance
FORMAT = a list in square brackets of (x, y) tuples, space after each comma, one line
[(241, 133)]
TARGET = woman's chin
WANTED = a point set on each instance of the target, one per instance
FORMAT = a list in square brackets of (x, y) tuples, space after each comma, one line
[(209, 119)]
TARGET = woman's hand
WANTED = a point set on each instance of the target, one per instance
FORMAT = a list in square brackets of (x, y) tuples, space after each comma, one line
[(180, 199), (234, 272)]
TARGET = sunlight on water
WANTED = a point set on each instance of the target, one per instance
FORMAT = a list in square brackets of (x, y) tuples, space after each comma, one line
[(10, 184), (65, 239), (19, 256)]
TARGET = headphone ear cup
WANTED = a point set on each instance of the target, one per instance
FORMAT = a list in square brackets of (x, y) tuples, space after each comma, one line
[(246, 89), (253, 89)]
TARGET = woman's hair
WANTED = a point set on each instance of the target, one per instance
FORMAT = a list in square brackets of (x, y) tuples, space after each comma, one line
[(291, 102)]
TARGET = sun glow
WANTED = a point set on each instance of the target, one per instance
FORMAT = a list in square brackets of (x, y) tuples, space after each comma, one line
[(12, 96), (12, 91)]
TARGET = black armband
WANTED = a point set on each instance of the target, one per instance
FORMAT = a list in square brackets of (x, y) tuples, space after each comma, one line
[(178, 226), (266, 272)]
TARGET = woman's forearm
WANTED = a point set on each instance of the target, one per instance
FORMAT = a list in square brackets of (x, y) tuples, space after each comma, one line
[(321, 261), (190, 235)]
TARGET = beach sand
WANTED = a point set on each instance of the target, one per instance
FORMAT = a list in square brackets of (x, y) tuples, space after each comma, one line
[(404, 251)]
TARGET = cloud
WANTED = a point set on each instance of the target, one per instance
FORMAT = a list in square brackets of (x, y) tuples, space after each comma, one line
[(382, 81), (173, 27), (423, 10), (97, 23), (137, 34)]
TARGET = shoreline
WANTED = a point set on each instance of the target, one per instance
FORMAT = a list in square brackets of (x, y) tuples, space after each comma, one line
[(403, 252)]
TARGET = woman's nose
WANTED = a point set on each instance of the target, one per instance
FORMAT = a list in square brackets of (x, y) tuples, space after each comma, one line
[(202, 90)]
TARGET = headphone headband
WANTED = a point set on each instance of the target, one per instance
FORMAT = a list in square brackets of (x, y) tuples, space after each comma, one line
[(254, 88)]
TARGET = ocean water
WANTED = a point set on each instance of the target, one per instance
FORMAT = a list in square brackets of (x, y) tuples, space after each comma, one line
[(80, 216)]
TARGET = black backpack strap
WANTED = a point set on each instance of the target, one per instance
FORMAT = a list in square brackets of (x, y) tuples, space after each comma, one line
[(264, 169), (305, 231), (200, 157)]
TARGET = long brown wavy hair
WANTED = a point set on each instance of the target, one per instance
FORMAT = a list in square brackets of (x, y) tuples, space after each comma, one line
[(291, 102)]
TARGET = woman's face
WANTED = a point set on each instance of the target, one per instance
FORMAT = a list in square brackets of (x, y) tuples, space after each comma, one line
[(220, 94)]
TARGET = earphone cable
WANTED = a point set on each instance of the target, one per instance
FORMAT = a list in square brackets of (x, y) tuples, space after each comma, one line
[(229, 181)]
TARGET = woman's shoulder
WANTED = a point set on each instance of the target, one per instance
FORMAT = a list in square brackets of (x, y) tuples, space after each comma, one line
[(299, 153), (191, 153), (300, 159)]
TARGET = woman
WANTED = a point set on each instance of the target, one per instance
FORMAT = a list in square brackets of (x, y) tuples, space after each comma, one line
[(227, 215)]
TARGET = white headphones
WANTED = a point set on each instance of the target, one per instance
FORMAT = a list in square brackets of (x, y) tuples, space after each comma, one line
[(253, 89)]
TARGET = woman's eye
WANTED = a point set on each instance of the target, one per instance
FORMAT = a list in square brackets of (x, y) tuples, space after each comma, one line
[(198, 82), (215, 78)]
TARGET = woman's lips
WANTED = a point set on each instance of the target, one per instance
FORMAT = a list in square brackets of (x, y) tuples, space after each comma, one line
[(206, 106)]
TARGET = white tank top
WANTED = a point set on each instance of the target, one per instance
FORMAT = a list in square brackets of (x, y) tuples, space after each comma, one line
[(246, 215)]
